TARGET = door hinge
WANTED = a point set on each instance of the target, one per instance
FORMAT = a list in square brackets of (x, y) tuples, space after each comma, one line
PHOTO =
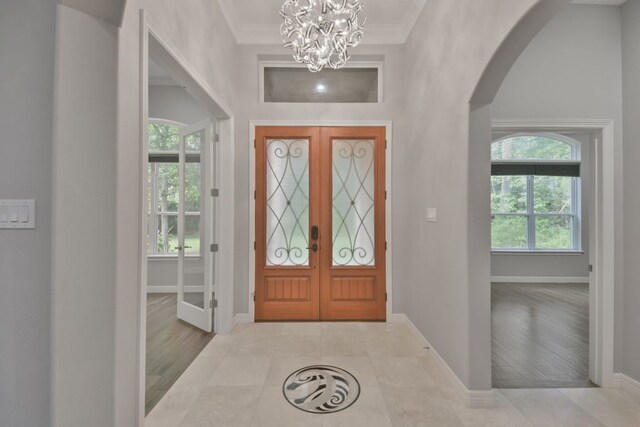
[(385, 144), (386, 296), (213, 303), (215, 192), (590, 268), (254, 245), (216, 137), (254, 143), (214, 247), (254, 296), (385, 194), (385, 246), (254, 194)]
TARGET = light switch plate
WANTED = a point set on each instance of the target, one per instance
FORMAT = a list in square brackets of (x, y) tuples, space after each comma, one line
[(432, 215), (17, 214)]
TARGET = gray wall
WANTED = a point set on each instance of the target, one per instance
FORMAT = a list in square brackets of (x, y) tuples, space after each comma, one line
[(444, 267), (572, 69), (27, 52), (631, 95), (84, 191)]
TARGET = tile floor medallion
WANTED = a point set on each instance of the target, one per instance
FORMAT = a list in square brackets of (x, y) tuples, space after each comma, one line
[(321, 389)]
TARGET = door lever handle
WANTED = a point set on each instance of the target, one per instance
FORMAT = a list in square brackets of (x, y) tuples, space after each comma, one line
[(313, 247)]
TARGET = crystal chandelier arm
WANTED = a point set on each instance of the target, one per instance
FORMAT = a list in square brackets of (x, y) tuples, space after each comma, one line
[(320, 31)]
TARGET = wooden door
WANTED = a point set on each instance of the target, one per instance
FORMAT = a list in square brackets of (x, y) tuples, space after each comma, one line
[(287, 191), (320, 223), (352, 276)]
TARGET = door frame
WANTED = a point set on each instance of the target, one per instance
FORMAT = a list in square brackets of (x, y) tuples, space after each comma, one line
[(388, 125), (602, 242), (153, 39)]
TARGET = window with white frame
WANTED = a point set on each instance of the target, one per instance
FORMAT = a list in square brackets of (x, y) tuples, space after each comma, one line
[(164, 187), (535, 193)]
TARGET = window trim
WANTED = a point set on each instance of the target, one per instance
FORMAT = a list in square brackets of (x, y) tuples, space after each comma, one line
[(262, 64), (530, 214), (153, 216)]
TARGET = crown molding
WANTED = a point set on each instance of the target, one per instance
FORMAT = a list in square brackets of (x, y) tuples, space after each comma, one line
[(374, 35)]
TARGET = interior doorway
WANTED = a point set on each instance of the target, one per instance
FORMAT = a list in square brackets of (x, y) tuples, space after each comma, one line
[(320, 247), (186, 191), (563, 320)]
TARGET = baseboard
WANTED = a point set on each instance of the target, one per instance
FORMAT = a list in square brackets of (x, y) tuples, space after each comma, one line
[(537, 279), (627, 384), (242, 318), (471, 398), (172, 289)]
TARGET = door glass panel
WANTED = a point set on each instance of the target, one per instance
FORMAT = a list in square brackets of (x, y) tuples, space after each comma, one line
[(353, 202), (194, 265), (287, 202)]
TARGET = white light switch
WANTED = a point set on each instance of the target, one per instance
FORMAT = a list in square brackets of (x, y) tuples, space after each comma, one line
[(432, 215), (13, 213), (17, 214), (24, 213)]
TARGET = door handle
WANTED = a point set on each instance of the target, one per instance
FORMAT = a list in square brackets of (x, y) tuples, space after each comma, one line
[(313, 247), (178, 248), (315, 232)]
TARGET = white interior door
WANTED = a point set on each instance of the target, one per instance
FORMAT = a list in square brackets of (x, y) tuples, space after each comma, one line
[(196, 225)]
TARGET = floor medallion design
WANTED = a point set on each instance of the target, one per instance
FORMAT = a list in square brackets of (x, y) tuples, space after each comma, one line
[(321, 389)]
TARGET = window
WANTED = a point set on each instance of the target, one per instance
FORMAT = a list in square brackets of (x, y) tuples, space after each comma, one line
[(535, 198), (357, 83), (164, 187)]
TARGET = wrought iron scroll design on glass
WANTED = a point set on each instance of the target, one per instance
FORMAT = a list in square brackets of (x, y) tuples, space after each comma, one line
[(287, 202), (353, 203)]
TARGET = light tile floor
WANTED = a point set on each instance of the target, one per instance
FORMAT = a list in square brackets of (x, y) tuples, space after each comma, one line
[(237, 381)]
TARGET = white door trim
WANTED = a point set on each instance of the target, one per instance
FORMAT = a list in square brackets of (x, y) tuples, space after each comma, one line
[(603, 243), (153, 39), (252, 205)]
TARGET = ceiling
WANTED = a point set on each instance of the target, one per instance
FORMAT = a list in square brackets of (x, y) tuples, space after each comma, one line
[(388, 21), (258, 21)]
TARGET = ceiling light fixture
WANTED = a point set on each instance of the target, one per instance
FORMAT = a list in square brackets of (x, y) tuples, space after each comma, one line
[(321, 31)]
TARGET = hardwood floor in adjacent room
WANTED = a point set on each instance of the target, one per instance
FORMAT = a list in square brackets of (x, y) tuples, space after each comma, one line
[(171, 346), (540, 335)]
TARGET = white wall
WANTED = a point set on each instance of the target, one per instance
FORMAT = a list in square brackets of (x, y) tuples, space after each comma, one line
[(199, 31), (27, 48), (84, 194), (174, 103), (631, 95), (249, 108), (573, 69)]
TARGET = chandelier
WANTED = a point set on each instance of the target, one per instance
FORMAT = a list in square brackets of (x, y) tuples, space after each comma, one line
[(321, 31)]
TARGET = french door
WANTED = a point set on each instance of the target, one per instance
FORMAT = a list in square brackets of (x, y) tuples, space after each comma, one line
[(196, 225), (320, 223)]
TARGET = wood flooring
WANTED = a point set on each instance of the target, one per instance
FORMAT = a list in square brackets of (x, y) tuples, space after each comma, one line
[(540, 335), (171, 346)]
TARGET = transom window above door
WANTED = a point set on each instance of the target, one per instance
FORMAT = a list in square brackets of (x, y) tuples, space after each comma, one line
[(535, 193)]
